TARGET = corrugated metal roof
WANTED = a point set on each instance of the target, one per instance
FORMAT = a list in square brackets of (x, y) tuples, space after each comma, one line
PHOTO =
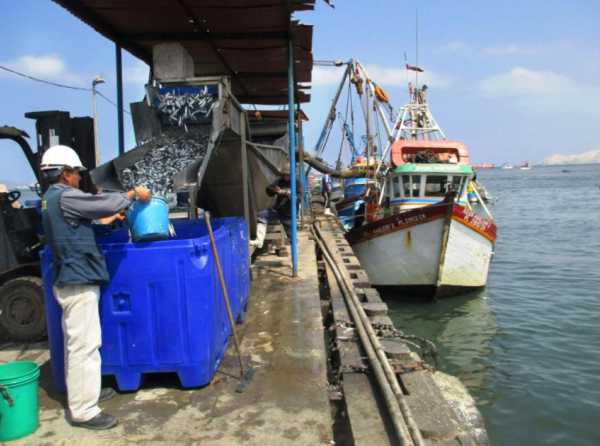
[(245, 39)]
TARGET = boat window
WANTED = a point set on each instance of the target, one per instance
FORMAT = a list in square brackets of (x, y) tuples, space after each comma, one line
[(406, 185), (396, 186), (415, 185), (456, 183), (435, 185)]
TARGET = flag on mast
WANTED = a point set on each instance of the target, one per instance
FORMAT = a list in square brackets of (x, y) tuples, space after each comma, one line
[(414, 68)]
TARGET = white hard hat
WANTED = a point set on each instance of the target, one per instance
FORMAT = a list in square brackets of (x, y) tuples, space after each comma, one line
[(59, 157)]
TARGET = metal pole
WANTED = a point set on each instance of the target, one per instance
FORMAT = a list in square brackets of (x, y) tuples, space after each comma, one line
[(292, 154), (331, 115), (95, 118), (244, 155), (303, 180), (119, 66)]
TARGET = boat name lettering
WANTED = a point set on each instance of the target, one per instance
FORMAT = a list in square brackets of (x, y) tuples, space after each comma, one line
[(476, 220), (400, 222)]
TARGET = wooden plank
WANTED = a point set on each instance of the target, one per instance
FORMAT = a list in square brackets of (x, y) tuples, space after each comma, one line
[(375, 308), (359, 279), (382, 320), (351, 263), (366, 417), (372, 295), (431, 411), (368, 427)]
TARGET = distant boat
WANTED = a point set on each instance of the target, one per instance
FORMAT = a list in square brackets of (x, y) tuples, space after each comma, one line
[(483, 166), (507, 166), (525, 166)]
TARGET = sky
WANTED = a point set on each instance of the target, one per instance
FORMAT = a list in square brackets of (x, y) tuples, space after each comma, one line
[(514, 80)]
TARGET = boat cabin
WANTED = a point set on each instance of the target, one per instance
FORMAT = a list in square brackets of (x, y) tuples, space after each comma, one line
[(429, 151), (414, 185)]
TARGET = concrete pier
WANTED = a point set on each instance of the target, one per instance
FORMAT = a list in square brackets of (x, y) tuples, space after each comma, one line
[(312, 384)]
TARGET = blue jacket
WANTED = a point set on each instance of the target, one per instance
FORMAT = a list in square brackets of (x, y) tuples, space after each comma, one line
[(77, 260)]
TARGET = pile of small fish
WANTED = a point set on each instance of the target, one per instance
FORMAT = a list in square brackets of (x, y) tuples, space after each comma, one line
[(182, 109), (170, 154)]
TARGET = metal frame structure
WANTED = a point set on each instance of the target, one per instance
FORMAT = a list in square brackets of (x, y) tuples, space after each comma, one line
[(266, 54), (292, 154)]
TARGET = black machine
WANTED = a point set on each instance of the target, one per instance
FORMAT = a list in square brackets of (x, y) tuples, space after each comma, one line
[(22, 315)]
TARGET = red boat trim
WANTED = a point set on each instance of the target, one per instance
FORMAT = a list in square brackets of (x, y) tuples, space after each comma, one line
[(479, 224), (397, 222)]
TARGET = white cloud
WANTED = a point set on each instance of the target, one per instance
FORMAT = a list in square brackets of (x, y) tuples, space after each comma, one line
[(542, 92), (385, 76), (326, 75), (510, 49), (136, 74), (47, 66), (399, 77), (523, 81), (454, 46)]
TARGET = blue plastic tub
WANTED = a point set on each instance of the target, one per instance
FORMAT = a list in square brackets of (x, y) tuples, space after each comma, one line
[(163, 310), (241, 274), (149, 221)]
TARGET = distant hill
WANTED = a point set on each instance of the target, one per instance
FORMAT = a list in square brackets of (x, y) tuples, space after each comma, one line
[(590, 157)]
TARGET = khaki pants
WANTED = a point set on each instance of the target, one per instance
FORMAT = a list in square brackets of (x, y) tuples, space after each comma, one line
[(82, 338)]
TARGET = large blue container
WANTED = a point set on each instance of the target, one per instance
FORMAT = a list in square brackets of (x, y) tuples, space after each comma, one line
[(163, 310), (241, 274), (149, 221)]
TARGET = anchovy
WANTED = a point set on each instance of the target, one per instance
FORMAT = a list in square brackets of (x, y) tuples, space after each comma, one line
[(170, 154), (187, 108)]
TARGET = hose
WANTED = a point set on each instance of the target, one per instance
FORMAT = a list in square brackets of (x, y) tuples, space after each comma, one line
[(400, 412)]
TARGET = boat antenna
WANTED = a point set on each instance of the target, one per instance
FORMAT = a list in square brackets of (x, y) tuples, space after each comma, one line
[(407, 73), (417, 47)]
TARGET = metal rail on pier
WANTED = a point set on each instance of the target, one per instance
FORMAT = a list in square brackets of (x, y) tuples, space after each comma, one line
[(405, 426)]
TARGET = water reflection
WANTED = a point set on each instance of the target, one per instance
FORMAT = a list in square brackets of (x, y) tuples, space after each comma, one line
[(461, 327)]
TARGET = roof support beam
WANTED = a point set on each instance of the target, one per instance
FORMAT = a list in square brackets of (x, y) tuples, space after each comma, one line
[(202, 31), (166, 36)]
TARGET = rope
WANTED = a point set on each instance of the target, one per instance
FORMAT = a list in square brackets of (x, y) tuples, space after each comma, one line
[(58, 84), (111, 102), (43, 81)]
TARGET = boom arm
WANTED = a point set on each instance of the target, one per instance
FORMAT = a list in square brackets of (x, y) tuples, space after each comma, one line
[(19, 136)]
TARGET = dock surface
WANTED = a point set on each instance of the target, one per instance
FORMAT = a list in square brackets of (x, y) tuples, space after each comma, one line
[(313, 383), (285, 403)]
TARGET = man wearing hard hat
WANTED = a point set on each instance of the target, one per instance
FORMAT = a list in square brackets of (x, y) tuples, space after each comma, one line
[(79, 270)]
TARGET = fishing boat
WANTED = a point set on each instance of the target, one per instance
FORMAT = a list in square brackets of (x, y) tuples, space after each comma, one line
[(426, 238), (352, 202), (507, 166), (525, 166)]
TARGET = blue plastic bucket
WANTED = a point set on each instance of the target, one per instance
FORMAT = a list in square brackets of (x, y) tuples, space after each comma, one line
[(149, 221)]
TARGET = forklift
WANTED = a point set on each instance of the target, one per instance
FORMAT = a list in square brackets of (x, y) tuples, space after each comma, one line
[(22, 314)]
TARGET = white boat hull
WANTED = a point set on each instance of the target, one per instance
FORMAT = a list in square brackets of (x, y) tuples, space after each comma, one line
[(436, 250)]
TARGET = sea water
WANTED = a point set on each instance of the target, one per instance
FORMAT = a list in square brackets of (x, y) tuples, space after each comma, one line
[(528, 346)]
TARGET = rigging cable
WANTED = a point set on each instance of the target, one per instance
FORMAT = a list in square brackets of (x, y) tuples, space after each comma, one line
[(344, 128), (58, 84)]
